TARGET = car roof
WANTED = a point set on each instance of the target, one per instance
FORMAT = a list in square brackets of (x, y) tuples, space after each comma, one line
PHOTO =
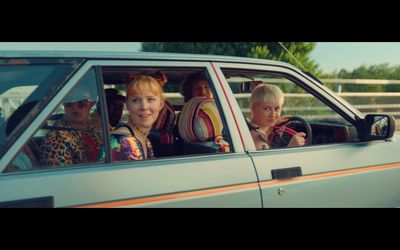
[(135, 55)]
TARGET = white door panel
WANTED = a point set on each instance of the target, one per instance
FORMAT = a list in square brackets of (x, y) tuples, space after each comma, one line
[(128, 181), (346, 175)]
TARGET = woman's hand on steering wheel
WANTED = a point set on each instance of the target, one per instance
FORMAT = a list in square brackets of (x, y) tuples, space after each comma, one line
[(308, 130), (297, 140)]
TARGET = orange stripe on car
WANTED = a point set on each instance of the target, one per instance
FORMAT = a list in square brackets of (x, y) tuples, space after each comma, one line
[(192, 194), (329, 174), (189, 194)]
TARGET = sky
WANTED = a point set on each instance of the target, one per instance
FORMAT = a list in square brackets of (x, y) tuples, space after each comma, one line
[(350, 55), (329, 55)]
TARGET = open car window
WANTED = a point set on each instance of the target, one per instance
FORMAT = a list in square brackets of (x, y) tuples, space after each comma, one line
[(309, 115), (185, 126), (171, 135)]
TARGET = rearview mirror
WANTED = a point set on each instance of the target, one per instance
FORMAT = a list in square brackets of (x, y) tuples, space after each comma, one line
[(379, 126), (247, 87)]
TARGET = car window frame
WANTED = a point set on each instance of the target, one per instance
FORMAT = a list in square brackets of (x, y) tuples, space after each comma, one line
[(322, 93), (219, 96), (74, 63), (37, 122)]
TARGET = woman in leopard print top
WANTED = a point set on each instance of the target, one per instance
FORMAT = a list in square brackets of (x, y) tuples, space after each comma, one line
[(67, 146), (73, 139)]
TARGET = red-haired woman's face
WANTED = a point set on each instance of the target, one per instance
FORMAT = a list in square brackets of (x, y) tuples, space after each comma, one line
[(144, 108)]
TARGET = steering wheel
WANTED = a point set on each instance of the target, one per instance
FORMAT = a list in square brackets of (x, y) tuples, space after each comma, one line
[(306, 125)]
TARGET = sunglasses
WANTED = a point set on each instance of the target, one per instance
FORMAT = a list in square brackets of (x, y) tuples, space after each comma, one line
[(80, 104)]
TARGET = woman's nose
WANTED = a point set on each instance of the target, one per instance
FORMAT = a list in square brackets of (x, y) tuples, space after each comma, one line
[(201, 91), (145, 105)]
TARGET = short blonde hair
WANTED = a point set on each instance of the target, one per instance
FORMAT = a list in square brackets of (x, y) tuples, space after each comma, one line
[(144, 83), (266, 93)]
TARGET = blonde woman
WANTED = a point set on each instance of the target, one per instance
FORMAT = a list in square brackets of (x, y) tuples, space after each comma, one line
[(144, 101), (266, 122)]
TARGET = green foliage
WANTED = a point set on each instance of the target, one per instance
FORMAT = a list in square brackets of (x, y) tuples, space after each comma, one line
[(262, 50), (301, 51), (381, 71), (273, 51)]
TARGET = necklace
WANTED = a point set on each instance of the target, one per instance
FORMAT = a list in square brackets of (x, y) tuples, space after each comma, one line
[(140, 131), (144, 133)]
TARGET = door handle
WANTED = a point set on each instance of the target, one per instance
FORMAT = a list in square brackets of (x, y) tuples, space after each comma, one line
[(286, 173)]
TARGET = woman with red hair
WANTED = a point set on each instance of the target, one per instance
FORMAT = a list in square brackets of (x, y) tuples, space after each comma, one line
[(144, 101)]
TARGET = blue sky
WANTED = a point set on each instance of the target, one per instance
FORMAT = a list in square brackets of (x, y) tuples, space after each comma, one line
[(350, 55), (329, 55)]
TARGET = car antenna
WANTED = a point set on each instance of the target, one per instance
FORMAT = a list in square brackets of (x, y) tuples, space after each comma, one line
[(304, 68), (283, 46)]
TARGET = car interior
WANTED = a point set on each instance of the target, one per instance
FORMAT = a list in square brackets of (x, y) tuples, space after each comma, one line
[(326, 125), (117, 77)]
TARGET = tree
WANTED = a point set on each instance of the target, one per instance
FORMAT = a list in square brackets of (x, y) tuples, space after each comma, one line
[(264, 50), (380, 71)]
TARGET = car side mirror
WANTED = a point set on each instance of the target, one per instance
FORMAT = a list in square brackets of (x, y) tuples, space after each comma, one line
[(378, 126)]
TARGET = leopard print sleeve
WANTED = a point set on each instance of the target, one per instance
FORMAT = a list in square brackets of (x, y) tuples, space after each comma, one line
[(56, 149)]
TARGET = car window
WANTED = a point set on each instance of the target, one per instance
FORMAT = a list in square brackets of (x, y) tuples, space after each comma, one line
[(71, 135), (267, 101), (189, 123), (27, 82)]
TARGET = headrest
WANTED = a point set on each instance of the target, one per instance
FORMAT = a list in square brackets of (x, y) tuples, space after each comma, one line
[(199, 120)]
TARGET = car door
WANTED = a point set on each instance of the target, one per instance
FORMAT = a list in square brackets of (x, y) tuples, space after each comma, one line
[(331, 174), (205, 180)]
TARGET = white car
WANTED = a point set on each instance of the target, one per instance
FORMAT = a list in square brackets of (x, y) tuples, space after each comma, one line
[(351, 160)]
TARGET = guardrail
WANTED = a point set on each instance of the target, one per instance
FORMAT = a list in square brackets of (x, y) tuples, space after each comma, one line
[(340, 82), (370, 102)]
